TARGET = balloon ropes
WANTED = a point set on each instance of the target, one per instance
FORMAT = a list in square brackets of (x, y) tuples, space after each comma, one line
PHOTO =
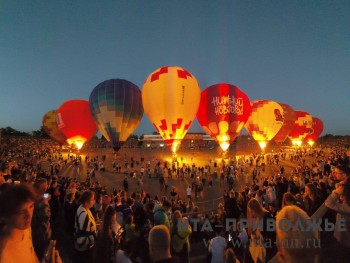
[(116, 106), (222, 113), (170, 97), (265, 120), (75, 121)]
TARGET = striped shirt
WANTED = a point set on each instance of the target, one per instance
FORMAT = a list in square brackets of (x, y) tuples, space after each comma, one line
[(85, 229)]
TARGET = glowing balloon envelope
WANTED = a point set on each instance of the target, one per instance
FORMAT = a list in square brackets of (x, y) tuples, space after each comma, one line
[(302, 127), (170, 98), (288, 123), (51, 128), (75, 121), (265, 120), (316, 130), (116, 106), (223, 111)]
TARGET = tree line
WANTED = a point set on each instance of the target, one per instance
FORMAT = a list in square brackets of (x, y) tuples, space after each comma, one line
[(41, 133)]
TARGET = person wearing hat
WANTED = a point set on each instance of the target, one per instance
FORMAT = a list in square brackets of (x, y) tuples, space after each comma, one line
[(160, 216)]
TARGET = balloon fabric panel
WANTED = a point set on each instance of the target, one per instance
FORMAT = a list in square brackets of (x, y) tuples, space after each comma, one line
[(222, 112), (170, 96), (302, 126), (50, 126), (75, 121), (316, 131), (117, 109), (265, 120), (288, 123)]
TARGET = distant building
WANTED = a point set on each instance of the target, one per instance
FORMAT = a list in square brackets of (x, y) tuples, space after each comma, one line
[(191, 140)]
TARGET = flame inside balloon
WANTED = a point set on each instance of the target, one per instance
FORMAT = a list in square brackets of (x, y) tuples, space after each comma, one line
[(222, 113), (170, 97), (75, 121)]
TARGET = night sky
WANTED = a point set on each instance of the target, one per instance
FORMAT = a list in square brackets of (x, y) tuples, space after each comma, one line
[(294, 52)]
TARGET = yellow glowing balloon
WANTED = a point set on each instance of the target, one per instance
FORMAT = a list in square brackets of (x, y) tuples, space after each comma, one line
[(51, 128), (266, 119), (170, 98)]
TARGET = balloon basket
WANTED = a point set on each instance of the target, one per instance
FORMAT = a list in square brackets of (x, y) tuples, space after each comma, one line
[(174, 158), (225, 155)]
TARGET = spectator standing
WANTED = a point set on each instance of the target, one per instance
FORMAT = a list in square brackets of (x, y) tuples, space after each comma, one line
[(217, 246), (159, 245), (126, 184), (143, 226), (339, 201), (189, 192), (180, 232), (70, 209), (312, 200), (256, 212), (41, 227), (306, 248), (16, 211), (160, 216), (231, 207), (54, 202), (105, 250), (173, 192), (85, 228)]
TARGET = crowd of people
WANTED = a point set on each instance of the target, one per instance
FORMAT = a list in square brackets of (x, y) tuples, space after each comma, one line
[(38, 206)]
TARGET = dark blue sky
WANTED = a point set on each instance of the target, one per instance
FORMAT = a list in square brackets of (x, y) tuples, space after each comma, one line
[(294, 52)]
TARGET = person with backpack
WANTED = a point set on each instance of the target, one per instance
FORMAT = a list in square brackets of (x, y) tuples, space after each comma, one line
[(85, 228), (180, 232)]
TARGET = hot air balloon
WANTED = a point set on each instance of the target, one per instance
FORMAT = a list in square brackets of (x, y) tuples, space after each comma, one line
[(170, 98), (316, 130), (301, 128), (51, 128), (75, 121), (116, 106), (288, 123), (223, 111), (265, 120)]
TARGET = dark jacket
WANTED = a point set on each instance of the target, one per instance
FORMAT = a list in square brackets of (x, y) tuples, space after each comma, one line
[(41, 227), (231, 208)]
